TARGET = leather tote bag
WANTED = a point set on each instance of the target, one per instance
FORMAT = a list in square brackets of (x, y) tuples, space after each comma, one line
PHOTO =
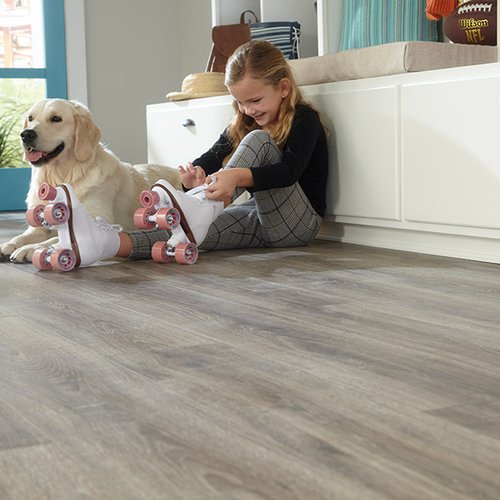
[(226, 39)]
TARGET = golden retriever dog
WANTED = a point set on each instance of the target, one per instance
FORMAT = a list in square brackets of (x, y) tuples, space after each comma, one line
[(62, 143)]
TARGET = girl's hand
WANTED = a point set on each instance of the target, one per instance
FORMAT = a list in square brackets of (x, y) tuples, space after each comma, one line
[(221, 185), (191, 176)]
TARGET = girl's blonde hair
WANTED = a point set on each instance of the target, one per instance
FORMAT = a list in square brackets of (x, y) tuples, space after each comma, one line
[(262, 60)]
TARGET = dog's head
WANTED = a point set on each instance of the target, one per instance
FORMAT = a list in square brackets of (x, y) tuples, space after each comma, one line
[(54, 129)]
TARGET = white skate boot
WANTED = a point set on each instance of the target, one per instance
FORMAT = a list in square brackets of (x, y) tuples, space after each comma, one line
[(187, 215), (83, 240)]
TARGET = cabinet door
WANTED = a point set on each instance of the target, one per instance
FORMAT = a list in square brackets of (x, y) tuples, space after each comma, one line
[(180, 132), (451, 152), (364, 169)]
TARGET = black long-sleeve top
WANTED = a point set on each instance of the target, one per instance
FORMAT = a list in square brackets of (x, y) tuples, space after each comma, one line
[(304, 159)]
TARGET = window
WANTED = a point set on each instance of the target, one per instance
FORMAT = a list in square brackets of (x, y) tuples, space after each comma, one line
[(32, 67), (32, 60)]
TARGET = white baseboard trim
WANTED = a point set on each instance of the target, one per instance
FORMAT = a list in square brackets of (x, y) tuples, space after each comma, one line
[(446, 245)]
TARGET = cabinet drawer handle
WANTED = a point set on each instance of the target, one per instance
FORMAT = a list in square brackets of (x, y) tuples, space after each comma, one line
[(188, 123)]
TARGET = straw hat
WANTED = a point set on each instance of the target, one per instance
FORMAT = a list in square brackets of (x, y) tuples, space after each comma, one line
[(199, 85)]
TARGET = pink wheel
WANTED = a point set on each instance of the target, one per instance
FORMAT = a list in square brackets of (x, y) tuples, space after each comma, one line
[(63, 259), (46, 191), (159, 252), (34, 216), (40, 259), (141, 218), (168, 218), (186, 253), (56, 214), (149, 198)]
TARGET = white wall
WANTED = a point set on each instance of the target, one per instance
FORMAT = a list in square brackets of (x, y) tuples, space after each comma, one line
[(229, 11), (126, 54), (136, 52), (195, 37)]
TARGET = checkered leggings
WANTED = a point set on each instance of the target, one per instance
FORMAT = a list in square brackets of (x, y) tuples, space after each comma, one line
[(281, 217)]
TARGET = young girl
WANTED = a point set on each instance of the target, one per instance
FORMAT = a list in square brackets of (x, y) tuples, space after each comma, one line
[(275, 148)]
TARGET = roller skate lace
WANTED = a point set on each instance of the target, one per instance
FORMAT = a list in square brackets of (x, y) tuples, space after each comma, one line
[(102, 223)]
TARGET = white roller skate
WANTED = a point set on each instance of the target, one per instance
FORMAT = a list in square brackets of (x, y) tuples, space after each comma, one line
[(83, 240), (187, 215)]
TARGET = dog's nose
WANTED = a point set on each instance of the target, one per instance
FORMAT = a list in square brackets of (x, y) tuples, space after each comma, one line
[(28, 135)]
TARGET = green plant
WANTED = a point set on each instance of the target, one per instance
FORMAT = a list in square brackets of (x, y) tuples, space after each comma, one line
[(10, 148), (16, 97)]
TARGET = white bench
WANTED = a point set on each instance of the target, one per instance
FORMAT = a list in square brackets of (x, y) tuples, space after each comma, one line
[(414, 146)]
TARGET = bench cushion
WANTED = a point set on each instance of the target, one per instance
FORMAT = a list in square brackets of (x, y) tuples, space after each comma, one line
[(388, 59)]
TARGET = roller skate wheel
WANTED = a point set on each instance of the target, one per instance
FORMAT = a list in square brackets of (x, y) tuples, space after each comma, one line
[(46, 191), (159, 252), (34, 216), (55, 214), (149, 198), (142, 218), (41, 260), (168, 218), (63, 259), (186, 253)]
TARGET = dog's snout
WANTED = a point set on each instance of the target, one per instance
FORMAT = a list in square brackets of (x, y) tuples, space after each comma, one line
[(28, 136)]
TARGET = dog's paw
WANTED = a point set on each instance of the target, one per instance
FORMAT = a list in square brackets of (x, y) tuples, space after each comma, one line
[(6, 250), (23, 254)]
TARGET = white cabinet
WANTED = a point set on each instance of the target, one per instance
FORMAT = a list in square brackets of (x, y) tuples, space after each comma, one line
[(451, 152), (181, 131), (363, 126), (414, 161)]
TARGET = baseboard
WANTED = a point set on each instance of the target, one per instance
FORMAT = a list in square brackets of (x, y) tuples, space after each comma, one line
[(446, 245)]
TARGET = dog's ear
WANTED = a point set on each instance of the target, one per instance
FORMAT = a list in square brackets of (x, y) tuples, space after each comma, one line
[(87, 137)]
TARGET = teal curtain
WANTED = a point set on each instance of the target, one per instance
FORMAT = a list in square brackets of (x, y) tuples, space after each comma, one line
[(374, 22)]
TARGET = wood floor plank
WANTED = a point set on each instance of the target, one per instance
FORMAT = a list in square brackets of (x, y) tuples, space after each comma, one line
[(330, 371)]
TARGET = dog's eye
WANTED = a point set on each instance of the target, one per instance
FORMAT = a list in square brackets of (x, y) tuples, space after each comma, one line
[(30, 118), (56, 119)]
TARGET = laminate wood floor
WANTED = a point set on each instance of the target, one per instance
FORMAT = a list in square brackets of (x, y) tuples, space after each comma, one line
[(327, 372)]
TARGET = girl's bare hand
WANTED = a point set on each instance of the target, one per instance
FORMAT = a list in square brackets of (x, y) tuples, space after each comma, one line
[(220, 186), (191, 176)]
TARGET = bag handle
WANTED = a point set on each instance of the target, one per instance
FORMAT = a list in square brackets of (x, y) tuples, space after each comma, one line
[(251, 12)]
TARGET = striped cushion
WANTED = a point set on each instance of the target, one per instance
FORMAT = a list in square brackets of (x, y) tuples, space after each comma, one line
[(373, 22), (284, 34)]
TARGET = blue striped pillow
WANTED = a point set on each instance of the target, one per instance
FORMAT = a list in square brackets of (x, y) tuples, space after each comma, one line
[(284, 34), (373, 22)]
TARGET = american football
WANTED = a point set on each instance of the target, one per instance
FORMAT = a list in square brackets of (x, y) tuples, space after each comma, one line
[(473, 23)]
